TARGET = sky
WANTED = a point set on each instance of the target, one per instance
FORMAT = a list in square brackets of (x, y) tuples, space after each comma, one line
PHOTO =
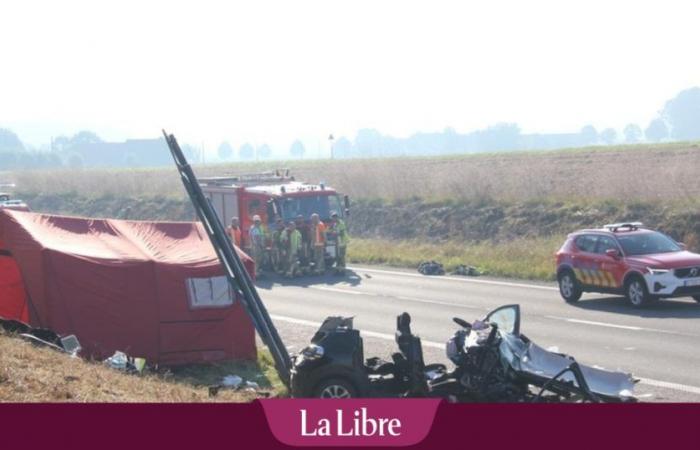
[(271, 71)]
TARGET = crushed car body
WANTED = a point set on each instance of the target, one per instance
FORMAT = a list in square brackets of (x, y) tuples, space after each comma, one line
[(493, 362)]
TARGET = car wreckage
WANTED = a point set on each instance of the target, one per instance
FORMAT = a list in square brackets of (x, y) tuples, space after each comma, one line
[(494, 361)]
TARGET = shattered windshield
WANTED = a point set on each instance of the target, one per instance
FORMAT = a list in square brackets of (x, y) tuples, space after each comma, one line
[(647, 244), (307, 205)]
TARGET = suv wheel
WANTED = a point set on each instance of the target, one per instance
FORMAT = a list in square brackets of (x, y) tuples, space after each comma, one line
[(637, 293), (335, 388), (569, 287)]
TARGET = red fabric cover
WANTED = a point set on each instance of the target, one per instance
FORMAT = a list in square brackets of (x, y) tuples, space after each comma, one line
[(120, 285)]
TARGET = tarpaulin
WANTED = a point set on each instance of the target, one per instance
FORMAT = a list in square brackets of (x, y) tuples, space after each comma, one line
[(150, 289)]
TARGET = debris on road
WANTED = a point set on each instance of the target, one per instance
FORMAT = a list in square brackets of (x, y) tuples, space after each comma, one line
[(467, 271), (232, 381), (122, 361), (431, 268)]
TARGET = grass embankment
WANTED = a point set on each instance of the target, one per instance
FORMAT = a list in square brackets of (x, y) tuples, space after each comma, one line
[(32, 374), (531, 259), (505, 213)]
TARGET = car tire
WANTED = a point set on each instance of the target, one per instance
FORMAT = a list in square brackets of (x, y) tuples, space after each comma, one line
[(337, 388), (569, 287), (637, 293), (696, 298)]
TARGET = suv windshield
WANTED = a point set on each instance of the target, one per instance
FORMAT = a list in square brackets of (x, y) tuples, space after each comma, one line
[(307, 205), (647, 244)]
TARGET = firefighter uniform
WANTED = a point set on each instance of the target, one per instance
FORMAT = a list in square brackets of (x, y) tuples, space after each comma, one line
[(291, 242), (278, 254), (340, 231), (317, 234), (257, 244)]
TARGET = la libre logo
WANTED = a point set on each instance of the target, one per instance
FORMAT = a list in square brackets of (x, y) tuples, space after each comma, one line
[(358, 424)]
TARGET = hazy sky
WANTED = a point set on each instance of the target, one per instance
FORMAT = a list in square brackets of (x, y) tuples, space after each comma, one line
[(271, 71)]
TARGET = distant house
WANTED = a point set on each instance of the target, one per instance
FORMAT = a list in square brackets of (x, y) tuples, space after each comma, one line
[(130, 153)]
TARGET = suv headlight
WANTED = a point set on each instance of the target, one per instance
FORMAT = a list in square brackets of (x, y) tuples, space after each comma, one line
[(313, 351), (654, 271)]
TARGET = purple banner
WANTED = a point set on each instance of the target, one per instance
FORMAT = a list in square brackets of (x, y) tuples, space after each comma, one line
[(352, 423)]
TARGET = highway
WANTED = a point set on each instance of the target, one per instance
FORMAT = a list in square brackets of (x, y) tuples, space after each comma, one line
[(659, 344)]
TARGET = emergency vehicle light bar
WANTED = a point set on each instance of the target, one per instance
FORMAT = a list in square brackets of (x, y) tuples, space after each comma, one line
[(278, 176), (629, 225)]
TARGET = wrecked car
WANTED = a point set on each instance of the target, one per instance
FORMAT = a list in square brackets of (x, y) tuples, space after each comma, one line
[(494, 362)]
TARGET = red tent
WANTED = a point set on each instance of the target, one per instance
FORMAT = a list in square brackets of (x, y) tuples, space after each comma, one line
[(150, 289)]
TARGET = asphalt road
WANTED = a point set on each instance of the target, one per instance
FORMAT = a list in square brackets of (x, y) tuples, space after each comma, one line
[(660, 344)]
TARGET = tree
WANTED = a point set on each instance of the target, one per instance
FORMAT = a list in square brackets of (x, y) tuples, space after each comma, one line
[(682, 113), (588, 135), (342, 148), (85, 137), (246, 151), (264, 151), (297, 149), (60, 143), (225, 151), (9, 141), (632, 133), (657, 130), (608, 136)]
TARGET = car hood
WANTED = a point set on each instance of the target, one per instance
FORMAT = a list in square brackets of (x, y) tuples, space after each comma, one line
[(672, 260)]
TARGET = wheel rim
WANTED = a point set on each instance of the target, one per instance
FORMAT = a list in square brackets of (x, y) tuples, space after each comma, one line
[(335, 391), (636, 293), (567, 286)]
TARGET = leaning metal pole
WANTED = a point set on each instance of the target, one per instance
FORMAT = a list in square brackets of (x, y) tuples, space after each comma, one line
[(238, 277)]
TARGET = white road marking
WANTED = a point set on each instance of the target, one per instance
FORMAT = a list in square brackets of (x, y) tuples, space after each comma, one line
[(622, 327), (342, 291), (599, 324), (399, 297), (390, 337), (463, 280), (670, 385)]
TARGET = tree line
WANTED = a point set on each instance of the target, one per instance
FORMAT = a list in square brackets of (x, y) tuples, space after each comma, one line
[(678, 120)]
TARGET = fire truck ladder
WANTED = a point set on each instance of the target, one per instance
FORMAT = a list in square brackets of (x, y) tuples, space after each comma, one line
[(238, 277)]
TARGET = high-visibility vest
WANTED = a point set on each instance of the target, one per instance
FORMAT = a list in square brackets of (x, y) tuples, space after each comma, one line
[(342, 230), (319, 234), (235, 235), (291, 240)]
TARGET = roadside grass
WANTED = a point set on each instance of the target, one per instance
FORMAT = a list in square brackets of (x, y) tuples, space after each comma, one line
[(34, 374), (262, 372), (531, 258)]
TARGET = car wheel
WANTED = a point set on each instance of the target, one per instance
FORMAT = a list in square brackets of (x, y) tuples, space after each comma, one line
[(637, 293), (335, 388), (696, 298), (569, 287)]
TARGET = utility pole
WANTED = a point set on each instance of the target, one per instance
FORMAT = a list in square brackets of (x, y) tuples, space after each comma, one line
[(330, 140)]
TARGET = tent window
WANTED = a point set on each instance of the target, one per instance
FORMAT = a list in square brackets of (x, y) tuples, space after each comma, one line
[(209, 292)]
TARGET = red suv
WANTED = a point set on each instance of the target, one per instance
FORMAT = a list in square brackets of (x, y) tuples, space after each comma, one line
[(626, 259)]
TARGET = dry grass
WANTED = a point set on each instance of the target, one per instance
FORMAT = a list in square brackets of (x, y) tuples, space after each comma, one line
[(31, 374), (634, 172)]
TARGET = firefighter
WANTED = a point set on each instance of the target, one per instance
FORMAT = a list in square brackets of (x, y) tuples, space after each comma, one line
[(234, 231), (317, 235), (339, 231), (304, 249), (257, 243), (278, 253), (291, 241)]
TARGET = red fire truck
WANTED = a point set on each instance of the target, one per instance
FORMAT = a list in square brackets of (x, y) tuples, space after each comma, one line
[(270, 195)]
